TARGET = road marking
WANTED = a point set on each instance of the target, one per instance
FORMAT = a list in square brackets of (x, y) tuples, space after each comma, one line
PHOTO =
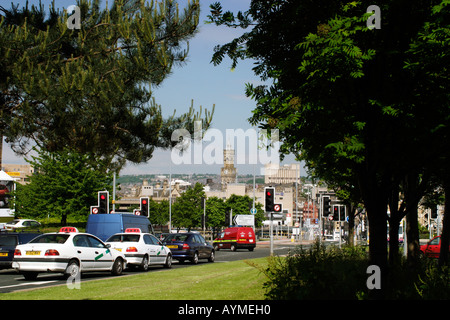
[(28, 284)]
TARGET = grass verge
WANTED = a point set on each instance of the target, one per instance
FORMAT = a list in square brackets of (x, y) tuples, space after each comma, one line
[(207, 281)]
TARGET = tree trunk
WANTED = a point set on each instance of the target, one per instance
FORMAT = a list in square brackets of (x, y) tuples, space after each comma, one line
[(394, 221), (394, 256), (1, 150), (445, 235), (412, 236), (376, 205), (64, 220), (351, 209), (414, 187)]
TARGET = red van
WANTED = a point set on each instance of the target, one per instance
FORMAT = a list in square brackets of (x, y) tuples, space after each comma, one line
[(236, 238), (432, 249)]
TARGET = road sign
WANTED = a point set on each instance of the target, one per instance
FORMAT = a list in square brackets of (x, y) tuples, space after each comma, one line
[(253, 210), (244, 219), (277, 207)]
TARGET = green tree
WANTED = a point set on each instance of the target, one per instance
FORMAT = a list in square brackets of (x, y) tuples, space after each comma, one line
[(215, 211), (89, 89), (242, 205), (159, 212), (367, 105), (64, 184), (187, 210)]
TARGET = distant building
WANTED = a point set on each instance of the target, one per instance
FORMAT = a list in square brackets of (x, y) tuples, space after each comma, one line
[(21, 172), (228, 173), (276, 174)]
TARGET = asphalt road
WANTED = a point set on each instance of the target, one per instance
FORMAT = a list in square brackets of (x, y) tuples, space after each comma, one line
[(11, 281)]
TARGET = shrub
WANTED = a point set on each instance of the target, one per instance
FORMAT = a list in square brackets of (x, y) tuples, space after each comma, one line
[(317, 273), (332, 273)]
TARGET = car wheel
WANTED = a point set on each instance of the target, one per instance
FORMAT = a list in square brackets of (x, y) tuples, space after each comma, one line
[(117, 267), (212, 256), (30, 275), (216, 247), (72, 270), (144, 263), (233, 247), (194, 260), (168, 263)]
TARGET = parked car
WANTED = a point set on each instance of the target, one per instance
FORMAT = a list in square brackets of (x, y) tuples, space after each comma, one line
[(236, 238), (22, 223), (8, 243), (432, 248), (141, 249), (189, 246), (68, 252)]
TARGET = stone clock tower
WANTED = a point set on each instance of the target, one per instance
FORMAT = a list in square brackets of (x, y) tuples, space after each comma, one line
[(228, 173)]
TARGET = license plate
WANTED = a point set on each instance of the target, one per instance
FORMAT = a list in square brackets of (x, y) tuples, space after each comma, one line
[(172, 247), (33, 253), (3, 254)]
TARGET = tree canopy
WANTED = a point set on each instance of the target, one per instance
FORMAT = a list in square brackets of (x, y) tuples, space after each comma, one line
[(90, 89), (366, 109), (64, 184)]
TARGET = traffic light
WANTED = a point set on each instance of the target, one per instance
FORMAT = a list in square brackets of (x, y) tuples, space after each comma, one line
[(270, 198), (341, 213), (335, 213), (103, 202), (227, 217), (145, 206), (326, 205), (434, 213)]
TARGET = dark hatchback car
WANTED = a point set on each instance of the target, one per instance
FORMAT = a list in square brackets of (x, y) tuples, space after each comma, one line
[(8, 243), (189, 246)]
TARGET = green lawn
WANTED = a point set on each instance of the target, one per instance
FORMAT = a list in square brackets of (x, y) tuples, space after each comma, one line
[(206, 281)]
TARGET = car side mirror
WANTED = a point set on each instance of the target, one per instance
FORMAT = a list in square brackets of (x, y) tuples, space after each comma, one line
[(108, 245)]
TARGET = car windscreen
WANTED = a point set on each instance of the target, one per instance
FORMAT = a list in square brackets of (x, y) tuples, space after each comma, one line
[(8, 240), (176, 237), (50, 238), (124, 238)]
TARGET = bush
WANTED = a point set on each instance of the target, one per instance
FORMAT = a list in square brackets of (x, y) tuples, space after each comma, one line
[(434, 284), (317, 273), (332, 273)]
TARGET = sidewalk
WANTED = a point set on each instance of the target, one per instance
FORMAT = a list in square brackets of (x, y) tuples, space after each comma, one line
[(277, 242)]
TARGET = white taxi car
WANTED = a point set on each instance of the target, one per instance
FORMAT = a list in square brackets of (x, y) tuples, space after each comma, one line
[(66, 251), (141, 249)]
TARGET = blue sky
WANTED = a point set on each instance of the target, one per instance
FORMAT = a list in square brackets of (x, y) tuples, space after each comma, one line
[(201, 81)]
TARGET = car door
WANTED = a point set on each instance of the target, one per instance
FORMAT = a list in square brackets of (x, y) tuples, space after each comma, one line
[(433, 248), (202, 249), (103, 258), (151, 249), (84, 251), (161, 253)]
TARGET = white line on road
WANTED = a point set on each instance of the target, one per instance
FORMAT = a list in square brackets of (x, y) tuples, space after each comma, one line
[(28, 284)]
